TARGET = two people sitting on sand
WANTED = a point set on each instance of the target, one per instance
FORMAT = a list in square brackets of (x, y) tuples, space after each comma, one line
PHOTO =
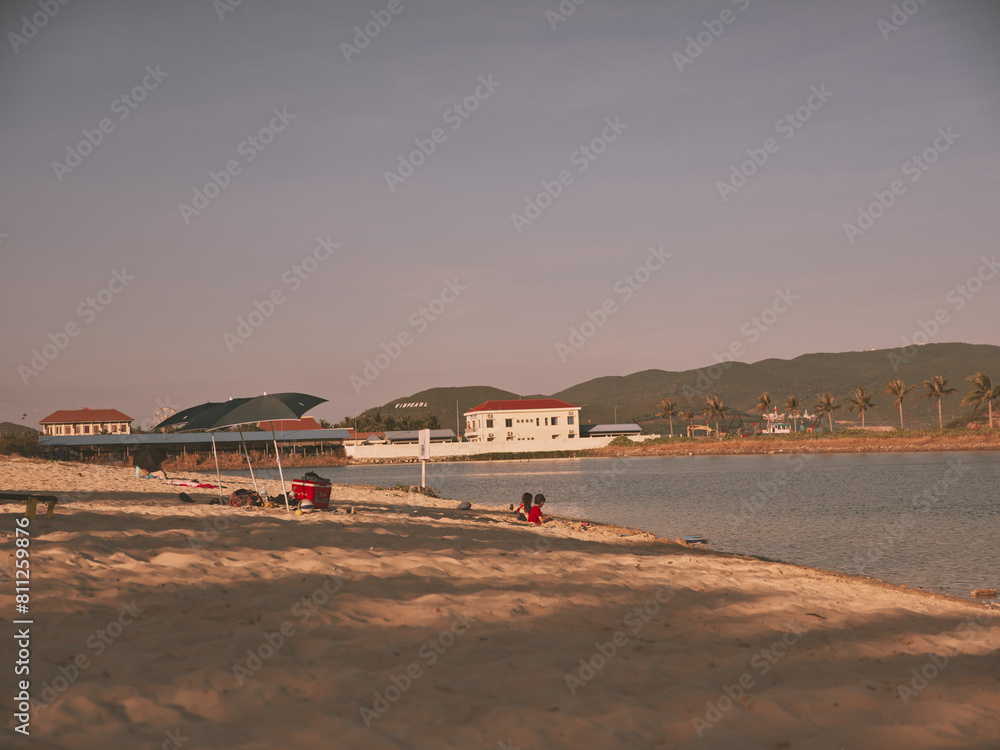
[(527, 511)]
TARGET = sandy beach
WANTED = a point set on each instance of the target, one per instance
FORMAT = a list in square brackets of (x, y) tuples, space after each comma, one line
[(410, 624)]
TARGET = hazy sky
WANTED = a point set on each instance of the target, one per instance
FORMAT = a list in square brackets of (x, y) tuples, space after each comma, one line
[(127, 267)]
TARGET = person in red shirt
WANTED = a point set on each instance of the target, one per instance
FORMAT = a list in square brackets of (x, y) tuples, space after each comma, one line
[(535, 514)]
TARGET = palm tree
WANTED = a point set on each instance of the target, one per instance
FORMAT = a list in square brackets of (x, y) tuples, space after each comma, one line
[(861, 401), (668, 410), (714, 410), (982, 390), (764, 405), (826, 406), (899, 389), (793, 405), (937, 388)]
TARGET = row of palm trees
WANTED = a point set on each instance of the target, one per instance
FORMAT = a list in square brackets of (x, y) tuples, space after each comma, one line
[(860, 400)]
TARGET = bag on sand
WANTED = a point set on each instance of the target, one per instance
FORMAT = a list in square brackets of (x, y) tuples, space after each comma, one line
[(240, 498)]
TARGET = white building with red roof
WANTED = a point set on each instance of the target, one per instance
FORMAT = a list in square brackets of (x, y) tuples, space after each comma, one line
[(87, 422), (526, 419)]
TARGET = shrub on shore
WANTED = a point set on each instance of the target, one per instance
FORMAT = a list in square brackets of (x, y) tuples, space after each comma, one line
[(21, 445)]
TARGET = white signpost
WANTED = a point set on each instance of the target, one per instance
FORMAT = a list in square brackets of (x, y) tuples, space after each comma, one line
[(425, 453)]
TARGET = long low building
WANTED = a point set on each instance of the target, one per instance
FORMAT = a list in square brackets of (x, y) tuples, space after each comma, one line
[(193, 440), (610, 430)]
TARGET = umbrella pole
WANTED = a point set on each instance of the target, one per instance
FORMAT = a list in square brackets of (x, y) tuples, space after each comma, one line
[(218, 476), (277, 455), (245, 453)]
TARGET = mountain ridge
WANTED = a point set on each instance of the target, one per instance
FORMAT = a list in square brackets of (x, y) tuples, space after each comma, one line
[(636, 396)]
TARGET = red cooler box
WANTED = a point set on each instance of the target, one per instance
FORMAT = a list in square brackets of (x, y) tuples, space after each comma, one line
[(318, 492)]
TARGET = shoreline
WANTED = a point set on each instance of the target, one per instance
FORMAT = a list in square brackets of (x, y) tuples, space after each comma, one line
[(499, 513), (412, 618), (812, 443)]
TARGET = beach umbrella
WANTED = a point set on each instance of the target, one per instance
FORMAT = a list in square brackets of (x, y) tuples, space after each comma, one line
[(218, 415), (268, 408), (202, 416)]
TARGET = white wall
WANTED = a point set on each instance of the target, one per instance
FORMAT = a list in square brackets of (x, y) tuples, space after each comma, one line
[(440, 450)]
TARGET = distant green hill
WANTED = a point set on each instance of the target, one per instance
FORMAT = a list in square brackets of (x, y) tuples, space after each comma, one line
[(738, 384), (445, 403), (13, 428)]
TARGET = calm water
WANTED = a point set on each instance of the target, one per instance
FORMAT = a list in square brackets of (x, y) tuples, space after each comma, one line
[(920, 519)]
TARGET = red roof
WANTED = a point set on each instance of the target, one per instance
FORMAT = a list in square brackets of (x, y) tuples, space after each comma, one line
[(363, 435), (86, 415), (528, 403), (284, 425)]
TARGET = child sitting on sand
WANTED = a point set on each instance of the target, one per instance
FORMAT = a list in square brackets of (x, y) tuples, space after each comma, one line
[(535, 514), (524, 508)]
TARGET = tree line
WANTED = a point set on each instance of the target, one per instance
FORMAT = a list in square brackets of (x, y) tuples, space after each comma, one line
[(376, 422), (860, 400)]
